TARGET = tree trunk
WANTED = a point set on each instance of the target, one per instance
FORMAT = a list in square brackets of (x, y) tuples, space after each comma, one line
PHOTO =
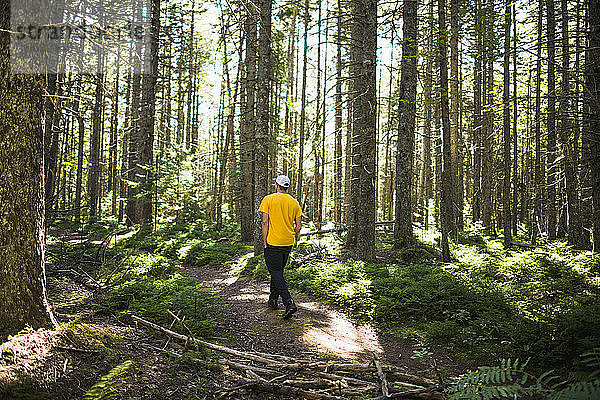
[(515, 179), (338, 183), (403, 232), (261, 142), (303, 107), (96, 138), (592, 132), (147, 116), (133, 167), (551, 124), (23, 292), (575, 231), (477, 120), (456, 190), (446, 207), (316, 215), (113, 181), (247, 131), (363, 63), (507, 219)]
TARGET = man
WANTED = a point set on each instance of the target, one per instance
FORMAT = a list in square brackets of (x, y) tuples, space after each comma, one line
[(280, 225)]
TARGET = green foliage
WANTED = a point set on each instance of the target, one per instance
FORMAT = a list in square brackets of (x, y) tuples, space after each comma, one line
[(508, 380), (490, 304), (107, 385), (150, 284), (511, 380)]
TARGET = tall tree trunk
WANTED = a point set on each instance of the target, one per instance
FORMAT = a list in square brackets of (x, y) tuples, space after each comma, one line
[(147, 116), (316, 215), (592, 108), (551, 124), (247, 131), (426, 184), (575, 231), (261, 142), (133, 168), (303, 107), (446, 207), (515, 179), (113, 136), (190, 82), (477, 116), (363, 61), (456, 190), (537, 210), (23, 292), (507, 219), (80, 142), (403, 231), (96, 138), (338, 186)]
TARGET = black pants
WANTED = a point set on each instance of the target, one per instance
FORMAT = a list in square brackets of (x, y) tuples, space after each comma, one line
[(276, 257)]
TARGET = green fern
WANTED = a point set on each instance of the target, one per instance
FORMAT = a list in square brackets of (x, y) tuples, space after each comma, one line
[(510, 380), (106, 386), (506, 380)]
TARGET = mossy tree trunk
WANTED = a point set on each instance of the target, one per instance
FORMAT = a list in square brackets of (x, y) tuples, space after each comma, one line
[(22, 292)]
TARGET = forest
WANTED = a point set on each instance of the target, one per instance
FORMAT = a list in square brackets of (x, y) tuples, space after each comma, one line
[(445, 155)]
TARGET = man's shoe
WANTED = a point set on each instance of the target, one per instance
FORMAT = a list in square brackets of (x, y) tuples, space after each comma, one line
[(290, 309), (272, 303)]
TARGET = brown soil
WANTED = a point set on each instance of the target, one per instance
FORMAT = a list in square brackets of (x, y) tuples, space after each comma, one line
[(316, 330), (49, 364)]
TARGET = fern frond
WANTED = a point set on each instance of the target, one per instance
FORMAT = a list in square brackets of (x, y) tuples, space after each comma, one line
[(586, 390), (106, 386)]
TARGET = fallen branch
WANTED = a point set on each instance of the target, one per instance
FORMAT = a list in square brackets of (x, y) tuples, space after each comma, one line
[(412, 393), (203, 343), (281, 389), (381, 374), (65, 348)]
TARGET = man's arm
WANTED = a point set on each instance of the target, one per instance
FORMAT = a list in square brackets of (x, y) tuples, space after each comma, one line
[(298, 225), (265, 227)]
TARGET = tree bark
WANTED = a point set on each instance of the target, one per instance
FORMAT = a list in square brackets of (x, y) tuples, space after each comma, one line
[(592, 111), (261, 142), (446, 208), (477, 117), (575, 228), (338, 185), (363, 63), (403, 231), (551, 124), (247, 130), (506, 211), (22, 237), (147, 116), (457, 195), (303, 107)]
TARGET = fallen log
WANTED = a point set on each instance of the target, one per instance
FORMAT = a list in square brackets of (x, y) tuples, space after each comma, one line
[(280, 389)]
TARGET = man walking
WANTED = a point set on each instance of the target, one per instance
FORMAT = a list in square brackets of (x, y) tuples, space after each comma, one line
[(280, 225)]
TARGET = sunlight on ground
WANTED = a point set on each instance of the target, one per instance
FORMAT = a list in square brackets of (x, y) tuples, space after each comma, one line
[(338, 335), (24, 351)]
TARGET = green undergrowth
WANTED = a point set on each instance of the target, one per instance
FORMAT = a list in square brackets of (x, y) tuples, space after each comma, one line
[(489, 304), (144, 271)]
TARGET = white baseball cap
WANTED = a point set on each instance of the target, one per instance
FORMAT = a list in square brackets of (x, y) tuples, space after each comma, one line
[(282, 181)]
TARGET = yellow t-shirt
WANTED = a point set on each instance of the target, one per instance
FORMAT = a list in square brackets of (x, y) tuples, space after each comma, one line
[(283, 209)]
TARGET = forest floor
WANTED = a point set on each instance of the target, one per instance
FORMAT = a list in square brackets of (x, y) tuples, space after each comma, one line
[(96, 353)]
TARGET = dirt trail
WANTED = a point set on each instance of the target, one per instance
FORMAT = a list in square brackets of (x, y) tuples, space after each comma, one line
[(316, 330)]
